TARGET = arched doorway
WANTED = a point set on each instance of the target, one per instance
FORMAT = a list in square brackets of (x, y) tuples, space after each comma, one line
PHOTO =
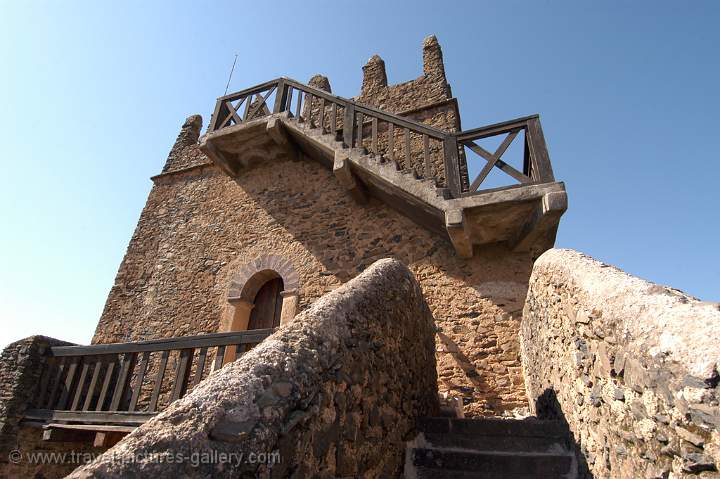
[(263, 295), (267, 306)]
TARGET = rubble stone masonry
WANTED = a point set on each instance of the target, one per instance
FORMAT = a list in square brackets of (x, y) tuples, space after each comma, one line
[(200, 227), (336, 393), (23, 453), (629, 365)]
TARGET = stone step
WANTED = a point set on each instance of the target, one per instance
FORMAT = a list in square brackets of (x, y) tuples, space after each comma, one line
[(477, 442), (335, 142), (493, 464), (493, 427), (435, 473)]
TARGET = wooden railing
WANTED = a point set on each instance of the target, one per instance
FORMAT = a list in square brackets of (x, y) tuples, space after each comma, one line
[(536, 162), (129, 382), (409, 144)]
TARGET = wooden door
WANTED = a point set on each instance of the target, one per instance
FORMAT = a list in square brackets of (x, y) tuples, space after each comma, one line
[(268, 304)]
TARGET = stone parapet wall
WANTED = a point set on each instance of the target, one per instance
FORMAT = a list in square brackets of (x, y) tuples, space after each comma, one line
[(335, 393), (630, 365), (21, 365)]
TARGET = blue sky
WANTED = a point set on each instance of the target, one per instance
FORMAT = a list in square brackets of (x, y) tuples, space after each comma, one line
[(92, 95)]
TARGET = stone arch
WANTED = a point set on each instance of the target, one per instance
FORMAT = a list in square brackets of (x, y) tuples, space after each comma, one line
[(245, 285), (250, 277)]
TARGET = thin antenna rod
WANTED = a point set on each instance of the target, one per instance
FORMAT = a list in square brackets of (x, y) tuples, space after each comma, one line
[(230, 77)]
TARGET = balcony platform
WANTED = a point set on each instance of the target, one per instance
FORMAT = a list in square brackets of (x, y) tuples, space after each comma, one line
[(523, 217)]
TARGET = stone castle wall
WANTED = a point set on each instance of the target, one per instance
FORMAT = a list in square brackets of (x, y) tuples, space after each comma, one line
[(336, 393), (200, 227), (631, 366)]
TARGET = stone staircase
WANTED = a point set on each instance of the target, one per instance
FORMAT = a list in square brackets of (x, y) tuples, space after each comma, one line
[(416, 169), (490, 448), (408, 179)]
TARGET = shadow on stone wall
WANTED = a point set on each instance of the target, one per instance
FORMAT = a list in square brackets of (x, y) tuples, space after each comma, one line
[(476, 378), (341, 238), (337, 392), (548, 407)]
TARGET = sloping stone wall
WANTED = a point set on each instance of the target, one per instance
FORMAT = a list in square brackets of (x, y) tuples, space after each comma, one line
[(333, 394), (199, 228), (630, 365)]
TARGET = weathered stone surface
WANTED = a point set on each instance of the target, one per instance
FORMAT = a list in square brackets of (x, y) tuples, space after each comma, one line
[(630, 365), (335, 392), (185, 153), (21, 365), (200, 228)]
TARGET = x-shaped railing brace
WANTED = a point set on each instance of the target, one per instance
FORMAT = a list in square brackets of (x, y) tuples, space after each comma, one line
[(493, 159), (248, 115)]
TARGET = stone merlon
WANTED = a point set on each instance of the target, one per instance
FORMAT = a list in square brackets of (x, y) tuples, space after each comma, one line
[(374, 75), (320, 82), (433, 58)]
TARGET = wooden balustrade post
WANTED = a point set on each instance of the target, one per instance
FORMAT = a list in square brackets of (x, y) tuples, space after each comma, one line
[(452, 165), (541, 167), (81, 384), (349, 125), (45, 381), (158, 381), (333, 120), (127, 364), (93, 384), (65, 393), (391, 143), (280, 97), (298, 106), (220, 109), (182, 373), (139, 381), (309, 97), (56, 383), (408, 157), (322, 115), (106, 383), (360, 121), (427, 174)]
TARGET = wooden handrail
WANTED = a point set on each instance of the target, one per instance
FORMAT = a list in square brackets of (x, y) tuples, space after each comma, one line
[(370, 111), (536, 163), (494, 129), (361, 126), (184, 342), (104, 382), (90, 417)]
